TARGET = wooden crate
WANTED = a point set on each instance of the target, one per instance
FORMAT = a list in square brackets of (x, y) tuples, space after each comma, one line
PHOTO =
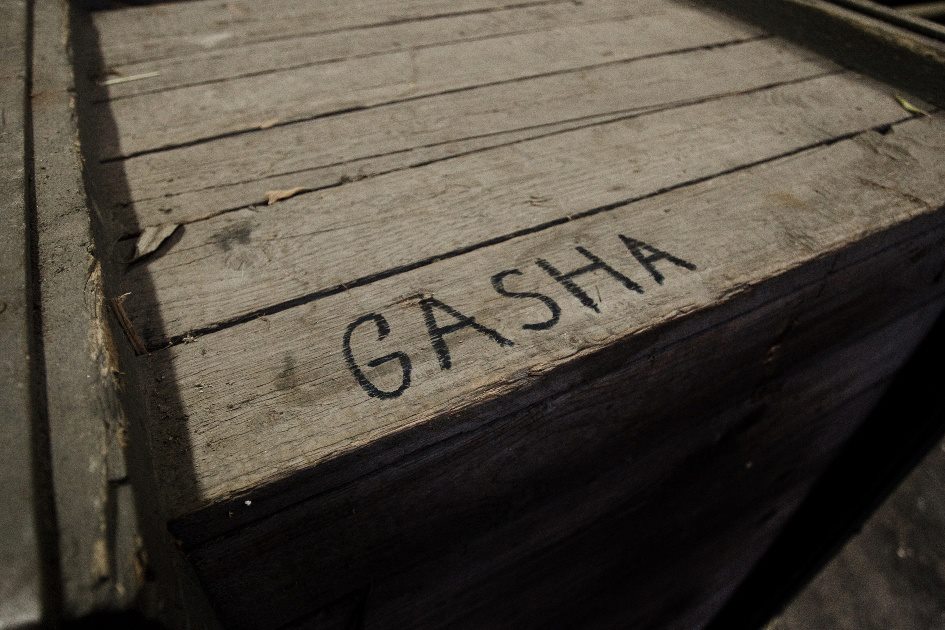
[(491, 314)]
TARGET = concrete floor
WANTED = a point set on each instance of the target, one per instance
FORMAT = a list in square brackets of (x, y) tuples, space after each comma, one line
[(891, 575)]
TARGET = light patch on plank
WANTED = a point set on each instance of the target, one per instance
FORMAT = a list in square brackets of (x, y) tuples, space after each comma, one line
[(130, 78)]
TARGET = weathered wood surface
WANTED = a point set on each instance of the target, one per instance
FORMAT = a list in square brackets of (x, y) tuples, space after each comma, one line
[(21, 562), (80, 408), (653, 457), (291, 50), (637, 435), (522, 280), (197, 182), (910, 61), (94, 543), (248, 260), (159, 32), (295, 389), (69, 546), (192, 114)]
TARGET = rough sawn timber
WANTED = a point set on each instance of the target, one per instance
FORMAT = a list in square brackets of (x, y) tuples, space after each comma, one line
[(247, 260), (220, 63), (178, 117), (829, 242), (199, 181), (130, 35), (549, 322)]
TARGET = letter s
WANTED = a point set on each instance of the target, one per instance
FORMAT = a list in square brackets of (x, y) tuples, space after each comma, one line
[(552, 306)]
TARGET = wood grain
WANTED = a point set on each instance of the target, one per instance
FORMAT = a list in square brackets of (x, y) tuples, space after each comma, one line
[(455, 546), (238, 263), (910, 61), (162, 31), (193, 67), (197, 182), (193, 114), (274, 396), (550, 284)]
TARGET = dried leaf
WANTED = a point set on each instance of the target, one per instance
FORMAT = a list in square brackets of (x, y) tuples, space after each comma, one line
[(909, 107), (273, 196), (266, 124), (151, 238)]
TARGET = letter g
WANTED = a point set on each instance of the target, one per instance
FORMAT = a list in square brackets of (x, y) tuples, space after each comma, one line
[(383, 329)]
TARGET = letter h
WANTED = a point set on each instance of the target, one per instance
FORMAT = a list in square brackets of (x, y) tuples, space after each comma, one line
[(596, 264)]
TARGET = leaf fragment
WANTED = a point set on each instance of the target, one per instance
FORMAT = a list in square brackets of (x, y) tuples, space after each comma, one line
[(151, 238), (909, 107), (273, 196)]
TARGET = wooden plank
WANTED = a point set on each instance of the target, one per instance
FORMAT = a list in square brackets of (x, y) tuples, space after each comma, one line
[(603, 585), (925, 9), (661, 383), (625, 205), (468, 513), (900, 16), (244, 262), (130, 35), (194, 67), (91, 553), (80, 406), (910, 61), (196, 182), (193, 114), (881, 452), (649, 360), (295, 404), (21, 559)]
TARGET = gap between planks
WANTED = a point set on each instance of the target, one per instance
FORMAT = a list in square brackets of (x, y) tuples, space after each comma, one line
[(115, 25), (388, 273), (181, 118), (361, 108), (808, 216), (257, 59), (201, 181), (170, 274)]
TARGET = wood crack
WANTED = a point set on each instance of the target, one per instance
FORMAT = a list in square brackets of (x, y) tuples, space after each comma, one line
[(400, 269), (374, 25), (322, 62), (597, 120), (418, 97)]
